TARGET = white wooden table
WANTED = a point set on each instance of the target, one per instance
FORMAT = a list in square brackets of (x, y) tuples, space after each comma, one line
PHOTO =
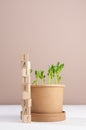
[(75, 119)]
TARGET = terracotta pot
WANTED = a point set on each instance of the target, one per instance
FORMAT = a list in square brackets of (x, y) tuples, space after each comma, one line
[(47, 98)]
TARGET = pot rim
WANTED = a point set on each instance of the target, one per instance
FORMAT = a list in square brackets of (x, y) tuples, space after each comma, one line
[(48, 85)]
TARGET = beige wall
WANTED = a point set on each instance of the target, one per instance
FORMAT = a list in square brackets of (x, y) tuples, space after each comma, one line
[(50, 30)]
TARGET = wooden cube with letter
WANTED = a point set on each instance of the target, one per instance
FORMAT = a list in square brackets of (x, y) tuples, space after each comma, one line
[(26, 90)]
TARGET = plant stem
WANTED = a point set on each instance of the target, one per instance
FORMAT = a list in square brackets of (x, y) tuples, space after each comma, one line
[(56, 80), (49, 80), (37, 81), (43, 81)]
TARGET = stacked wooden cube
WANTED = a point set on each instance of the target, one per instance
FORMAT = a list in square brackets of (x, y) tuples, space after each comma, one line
[(26, 90)]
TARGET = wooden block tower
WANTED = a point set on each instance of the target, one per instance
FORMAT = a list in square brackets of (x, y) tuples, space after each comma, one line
[(26, 90)]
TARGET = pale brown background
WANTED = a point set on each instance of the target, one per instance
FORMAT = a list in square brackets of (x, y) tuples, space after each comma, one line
[(50, 30)]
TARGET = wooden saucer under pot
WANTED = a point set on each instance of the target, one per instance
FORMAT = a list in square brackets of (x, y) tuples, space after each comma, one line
[(50, 117)]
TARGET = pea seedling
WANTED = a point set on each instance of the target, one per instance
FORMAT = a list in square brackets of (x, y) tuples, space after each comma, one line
[(39, 74), (53, 73), (58, 69)]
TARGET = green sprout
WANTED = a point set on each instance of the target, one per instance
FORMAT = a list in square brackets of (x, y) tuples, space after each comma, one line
[(39, 74), (37, 77), (58, 69), (42, 76), (51, 72)]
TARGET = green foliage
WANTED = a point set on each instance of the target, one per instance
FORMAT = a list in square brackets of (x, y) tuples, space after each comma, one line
[(58, 68), (39, 74), (42, 76), (53, 73)]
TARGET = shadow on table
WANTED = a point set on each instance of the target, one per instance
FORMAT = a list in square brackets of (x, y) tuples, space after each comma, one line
[(11, 118), (67, 122), (72, 122)]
